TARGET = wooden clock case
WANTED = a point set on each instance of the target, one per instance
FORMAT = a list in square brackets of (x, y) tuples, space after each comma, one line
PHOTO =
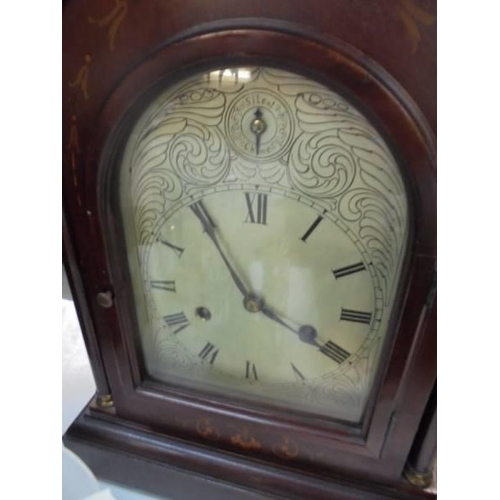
[(116, 57)]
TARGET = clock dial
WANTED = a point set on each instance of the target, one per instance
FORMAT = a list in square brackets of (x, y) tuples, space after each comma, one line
[(266, 224), (259, 124), (259, 283)]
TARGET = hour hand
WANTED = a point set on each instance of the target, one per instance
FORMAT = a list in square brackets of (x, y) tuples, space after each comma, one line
[(209, 227), (306, 333)]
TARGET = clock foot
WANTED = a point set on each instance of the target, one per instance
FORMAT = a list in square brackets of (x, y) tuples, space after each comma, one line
[(420, 479), (105, 401)]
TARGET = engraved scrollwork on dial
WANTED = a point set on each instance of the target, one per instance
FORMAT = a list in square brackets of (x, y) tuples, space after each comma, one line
[(341, 158), (153, 194), (179, 145), (289, 84), (245, 170), (163, 344), (199, 156), (378, 206), (315, 110), (193, 102), (376, 230), (320, 165), (149, 156), (365, 364), (341, 389), (347, 388)]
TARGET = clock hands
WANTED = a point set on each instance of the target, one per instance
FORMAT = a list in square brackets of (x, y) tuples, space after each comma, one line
[(209, 227), (258, 127), (306, 333), (251, 302)]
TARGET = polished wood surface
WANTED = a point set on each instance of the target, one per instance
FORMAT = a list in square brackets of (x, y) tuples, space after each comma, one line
[(382, 57), (423, 454), (140, 457), (77, 294)]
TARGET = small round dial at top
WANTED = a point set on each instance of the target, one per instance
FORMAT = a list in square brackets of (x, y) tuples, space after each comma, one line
[(259, 125)]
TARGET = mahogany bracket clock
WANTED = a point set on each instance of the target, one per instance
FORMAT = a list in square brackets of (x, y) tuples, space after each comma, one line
[(249, 196)]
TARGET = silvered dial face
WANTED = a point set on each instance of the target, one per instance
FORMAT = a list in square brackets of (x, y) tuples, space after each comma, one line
[(266, 223)]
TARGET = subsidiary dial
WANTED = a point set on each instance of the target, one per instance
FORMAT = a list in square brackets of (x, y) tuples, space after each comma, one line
[(259, 125)]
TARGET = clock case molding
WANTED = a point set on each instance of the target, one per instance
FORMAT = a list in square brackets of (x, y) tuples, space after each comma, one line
[(142, 426)]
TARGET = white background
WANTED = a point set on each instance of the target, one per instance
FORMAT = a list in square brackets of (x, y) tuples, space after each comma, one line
[(78, 387)]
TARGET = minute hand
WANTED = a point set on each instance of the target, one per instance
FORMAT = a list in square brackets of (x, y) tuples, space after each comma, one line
[(209, 227)]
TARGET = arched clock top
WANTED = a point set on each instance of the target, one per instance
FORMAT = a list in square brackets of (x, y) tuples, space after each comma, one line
[(281, 153), (199, 135)]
